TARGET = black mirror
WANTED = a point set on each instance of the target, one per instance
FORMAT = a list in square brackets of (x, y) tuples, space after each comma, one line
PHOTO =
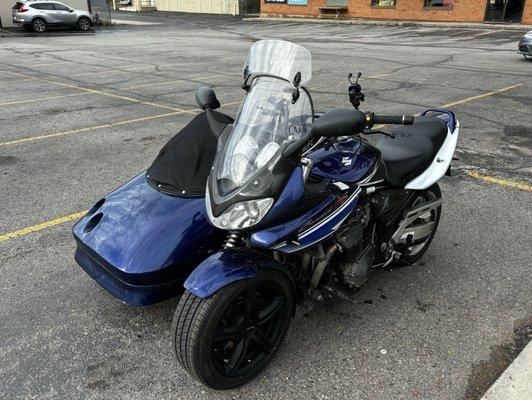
[(70, 10), (339, 122), (206, 98)]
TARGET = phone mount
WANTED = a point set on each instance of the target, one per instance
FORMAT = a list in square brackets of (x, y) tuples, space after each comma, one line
[(355, 91)]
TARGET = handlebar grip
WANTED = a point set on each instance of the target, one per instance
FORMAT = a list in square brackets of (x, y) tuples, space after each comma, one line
[(393, 119)]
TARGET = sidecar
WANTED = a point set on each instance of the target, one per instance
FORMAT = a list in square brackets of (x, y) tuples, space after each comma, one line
[(141, 241)]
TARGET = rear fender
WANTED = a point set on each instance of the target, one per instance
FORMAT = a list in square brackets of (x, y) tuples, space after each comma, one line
[(442, 162), (228, 266)]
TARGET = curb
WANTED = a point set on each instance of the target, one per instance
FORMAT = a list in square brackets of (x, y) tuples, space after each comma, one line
[(468, 25), (515, 383)]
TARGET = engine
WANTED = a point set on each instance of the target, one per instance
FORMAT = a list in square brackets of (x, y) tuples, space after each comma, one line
[(356, 240)]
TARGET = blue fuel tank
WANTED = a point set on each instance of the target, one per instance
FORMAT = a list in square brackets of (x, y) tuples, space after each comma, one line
[(347, 161)]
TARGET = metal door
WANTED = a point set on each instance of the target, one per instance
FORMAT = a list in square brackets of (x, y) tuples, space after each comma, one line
[(249, 7), (504, 10)]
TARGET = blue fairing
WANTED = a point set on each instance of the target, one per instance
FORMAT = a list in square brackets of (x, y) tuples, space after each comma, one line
[(348, 161), (137, 237), (322, 229), (228, 266), (267, 238), (291, 194)]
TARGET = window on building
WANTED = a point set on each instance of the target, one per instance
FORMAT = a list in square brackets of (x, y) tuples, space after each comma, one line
[(337, 3), (439, 4), (383, 3)]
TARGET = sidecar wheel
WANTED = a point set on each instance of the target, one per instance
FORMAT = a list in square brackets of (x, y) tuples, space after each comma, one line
[(229, 338)]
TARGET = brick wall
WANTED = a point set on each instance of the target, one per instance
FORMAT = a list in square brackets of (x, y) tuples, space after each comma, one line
[(527, 13), (413, 10)]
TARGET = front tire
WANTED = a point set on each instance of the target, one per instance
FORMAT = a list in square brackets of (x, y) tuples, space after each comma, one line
[(229, 338), (84, 24), (39, 25)]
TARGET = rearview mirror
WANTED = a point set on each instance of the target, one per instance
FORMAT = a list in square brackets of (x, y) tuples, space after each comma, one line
[(339, 122), (206, 98), (70, 10)]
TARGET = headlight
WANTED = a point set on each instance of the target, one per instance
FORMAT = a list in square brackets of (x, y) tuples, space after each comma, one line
[(240, 215)]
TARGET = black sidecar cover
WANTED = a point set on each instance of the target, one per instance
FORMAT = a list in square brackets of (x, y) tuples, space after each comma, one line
[(184, 163)]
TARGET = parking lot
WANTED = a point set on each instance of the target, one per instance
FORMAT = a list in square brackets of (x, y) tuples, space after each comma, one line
[(82, 113)]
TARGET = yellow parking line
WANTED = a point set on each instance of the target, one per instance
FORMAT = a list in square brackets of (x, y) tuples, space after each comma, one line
[(480, 96), (49, 63), (57, 221), (172, 81), (10, 103), (320, 86), (485, 33), (90, 128), (500, 181), (41, 226), (103, 126), (379, 75), (111, 70), (15, 80), (101, 92)]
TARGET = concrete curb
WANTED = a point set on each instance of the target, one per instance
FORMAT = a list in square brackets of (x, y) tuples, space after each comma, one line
[(467, 25), (516, 381)]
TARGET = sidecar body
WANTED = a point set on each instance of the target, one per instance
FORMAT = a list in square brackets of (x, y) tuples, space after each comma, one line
[(141, 241)]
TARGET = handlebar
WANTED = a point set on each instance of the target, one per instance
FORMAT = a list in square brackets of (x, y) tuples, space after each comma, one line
[(373, 119)]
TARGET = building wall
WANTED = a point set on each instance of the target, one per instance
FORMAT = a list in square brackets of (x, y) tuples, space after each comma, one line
[(199, 6), (6, 5), (412, 10), (527, 13)]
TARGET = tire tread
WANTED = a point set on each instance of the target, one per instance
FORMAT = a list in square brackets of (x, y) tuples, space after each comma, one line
[(187, 326)]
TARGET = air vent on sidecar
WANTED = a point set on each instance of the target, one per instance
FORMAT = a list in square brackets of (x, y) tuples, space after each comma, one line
[(93, 222), (95, 207)]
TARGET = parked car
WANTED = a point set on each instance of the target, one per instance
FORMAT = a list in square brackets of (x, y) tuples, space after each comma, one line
[(525, 45), (38, 15)]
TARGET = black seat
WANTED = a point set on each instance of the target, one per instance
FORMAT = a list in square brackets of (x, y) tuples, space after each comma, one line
[(412, 150)]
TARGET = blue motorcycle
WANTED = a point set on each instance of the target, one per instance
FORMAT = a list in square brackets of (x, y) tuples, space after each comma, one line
[(275, 208)]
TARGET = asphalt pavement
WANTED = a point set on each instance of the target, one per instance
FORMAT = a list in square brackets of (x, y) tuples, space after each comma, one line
[(82, 113)]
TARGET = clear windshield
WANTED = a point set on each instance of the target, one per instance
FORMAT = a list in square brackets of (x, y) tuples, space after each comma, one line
[(267, 120), (279, 58)]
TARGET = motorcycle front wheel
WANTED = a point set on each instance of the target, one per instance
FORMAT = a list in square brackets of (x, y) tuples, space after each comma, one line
[(229, 338)]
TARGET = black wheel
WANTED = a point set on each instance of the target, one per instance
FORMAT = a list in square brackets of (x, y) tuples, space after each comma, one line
[(229, 338), (415, 251), (38, 25), (84, 24)]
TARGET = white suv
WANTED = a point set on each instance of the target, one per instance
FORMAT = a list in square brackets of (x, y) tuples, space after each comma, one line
[(41, 14)]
